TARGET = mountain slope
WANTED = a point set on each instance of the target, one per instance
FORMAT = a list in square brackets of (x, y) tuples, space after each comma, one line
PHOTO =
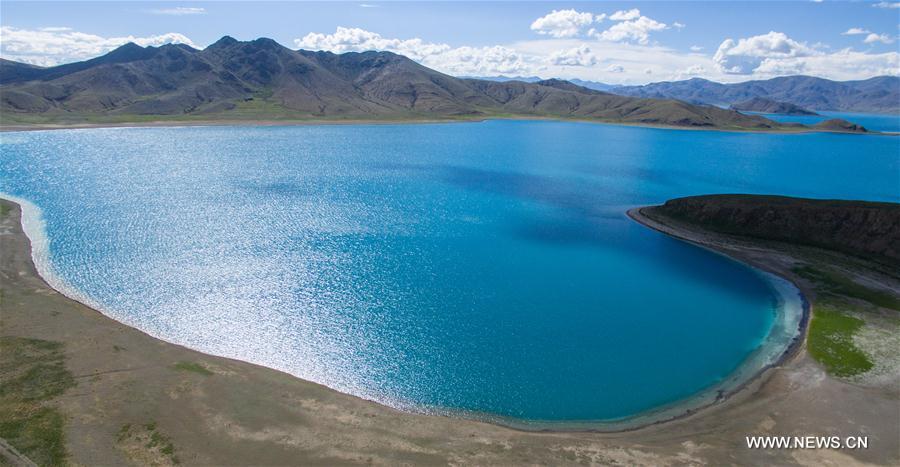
[(761, 104), (261, 79), (880, 94)]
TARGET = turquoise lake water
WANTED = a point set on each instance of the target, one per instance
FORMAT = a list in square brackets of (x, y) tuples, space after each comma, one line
[(479, 267)]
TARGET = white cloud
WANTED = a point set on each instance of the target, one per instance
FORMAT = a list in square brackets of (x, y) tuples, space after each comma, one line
[(776, 54), (360, 40), (690, 72), (482, 61), (563, 23), (637, 30), (696, 48), (625, 15), (180, 11), (855, 31), (765, 56), (53, 46), (887, 5), (367, 5), (678, 25), (576, 56), (746, 55), (883, 38)]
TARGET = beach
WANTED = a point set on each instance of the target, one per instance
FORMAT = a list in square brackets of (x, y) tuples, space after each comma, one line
[(134, 399)]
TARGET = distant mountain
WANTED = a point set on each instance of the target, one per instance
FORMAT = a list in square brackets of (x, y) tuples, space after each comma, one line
[(261, 79), (880, 94), (763, 105), (594, 85), (503, 79), (534, 79)]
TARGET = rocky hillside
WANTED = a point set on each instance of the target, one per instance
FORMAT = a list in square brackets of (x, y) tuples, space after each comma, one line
[(865, 229), (763, 105), (261, 79), (840, 125)]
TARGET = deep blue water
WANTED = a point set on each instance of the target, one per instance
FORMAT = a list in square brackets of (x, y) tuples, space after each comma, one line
[(876, 122), (486, 267)]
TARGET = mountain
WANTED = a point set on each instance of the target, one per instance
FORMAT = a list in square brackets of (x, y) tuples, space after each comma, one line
[(880, 94), (597, 86), (763, 105), (260, 79), (594, 85)]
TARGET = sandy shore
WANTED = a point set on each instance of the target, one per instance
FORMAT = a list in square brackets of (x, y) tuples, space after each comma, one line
[(129, 387), (7, 127)]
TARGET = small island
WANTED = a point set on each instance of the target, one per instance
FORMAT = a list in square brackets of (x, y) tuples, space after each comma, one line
[(769, 106)]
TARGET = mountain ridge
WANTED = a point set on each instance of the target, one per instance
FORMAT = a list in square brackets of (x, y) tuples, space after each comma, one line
[(261, 79), (880, 94)]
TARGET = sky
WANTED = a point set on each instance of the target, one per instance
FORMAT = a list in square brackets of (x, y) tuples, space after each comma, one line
[(609, 42)]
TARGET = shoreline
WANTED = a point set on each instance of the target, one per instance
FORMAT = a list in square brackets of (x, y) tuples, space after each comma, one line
[(718, 394), (799, 339), (21, 127), (218, 410)]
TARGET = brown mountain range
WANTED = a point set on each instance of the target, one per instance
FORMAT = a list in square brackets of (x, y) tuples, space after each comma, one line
[(262, 79)]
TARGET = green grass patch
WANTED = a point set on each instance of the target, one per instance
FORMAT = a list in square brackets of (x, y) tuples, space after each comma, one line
[(33, 372), (4, 209), (150, 439), (831, 342), (193, 368), (839, 284)]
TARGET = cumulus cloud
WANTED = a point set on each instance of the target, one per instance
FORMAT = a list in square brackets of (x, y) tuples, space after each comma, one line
[(360, 40), (855, 31), (57, 45), (630, 25), (483, 61), (563, 23), (747, 55), (765, 56), (883, 38), (696, 48), (636, 30), (180, 11), (576, 56), (690, 72), (776, 54), (625, 15)]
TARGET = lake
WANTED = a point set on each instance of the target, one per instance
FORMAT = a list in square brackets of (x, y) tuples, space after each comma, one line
[(483, 269)]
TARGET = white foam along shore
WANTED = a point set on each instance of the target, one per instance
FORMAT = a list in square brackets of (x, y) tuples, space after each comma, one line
[(787, 325)]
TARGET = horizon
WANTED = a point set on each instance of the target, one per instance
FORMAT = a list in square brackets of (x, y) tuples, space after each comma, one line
[(610, 42)]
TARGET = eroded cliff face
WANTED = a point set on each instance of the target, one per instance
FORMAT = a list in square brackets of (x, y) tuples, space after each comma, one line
[(869, 230)]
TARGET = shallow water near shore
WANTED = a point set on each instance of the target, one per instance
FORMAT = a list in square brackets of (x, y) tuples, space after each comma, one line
[(480, 268)]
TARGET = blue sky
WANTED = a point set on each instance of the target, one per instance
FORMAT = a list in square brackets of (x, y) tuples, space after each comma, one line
[(616, 42)]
